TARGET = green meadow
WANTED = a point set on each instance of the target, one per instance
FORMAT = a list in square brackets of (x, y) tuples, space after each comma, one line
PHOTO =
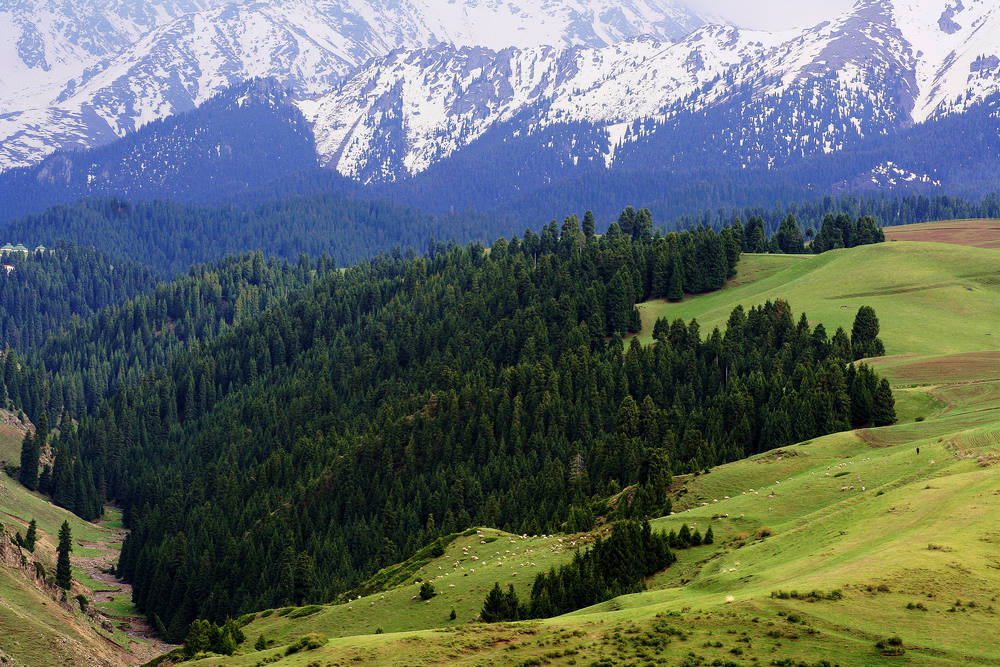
[(931, 298)]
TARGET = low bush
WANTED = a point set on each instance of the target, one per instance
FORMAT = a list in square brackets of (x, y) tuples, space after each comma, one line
[(308, 642)]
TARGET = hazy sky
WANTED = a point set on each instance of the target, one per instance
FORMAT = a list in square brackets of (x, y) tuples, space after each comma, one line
[(773, 14)]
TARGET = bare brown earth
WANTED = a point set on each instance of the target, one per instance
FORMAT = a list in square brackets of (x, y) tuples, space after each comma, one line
[(975, 233), (967, 367)]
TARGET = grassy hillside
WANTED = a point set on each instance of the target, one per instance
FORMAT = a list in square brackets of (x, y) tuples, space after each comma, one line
[(823, 550), (37, 627), (11, 437), (931, 298)]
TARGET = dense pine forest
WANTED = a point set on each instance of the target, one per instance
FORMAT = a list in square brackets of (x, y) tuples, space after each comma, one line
[(170, 237), (292, 219), (300, 426), (379, 407), (42, 291)]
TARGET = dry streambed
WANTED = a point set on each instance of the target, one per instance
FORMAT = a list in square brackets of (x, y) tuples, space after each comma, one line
[(112, 597)]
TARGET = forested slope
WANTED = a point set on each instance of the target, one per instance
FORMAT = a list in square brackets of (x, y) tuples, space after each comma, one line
[(170, 237), (356, 421), (45, 290)]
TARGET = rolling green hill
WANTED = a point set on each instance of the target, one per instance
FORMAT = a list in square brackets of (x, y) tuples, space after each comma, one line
[(824, 551), (931, 298)]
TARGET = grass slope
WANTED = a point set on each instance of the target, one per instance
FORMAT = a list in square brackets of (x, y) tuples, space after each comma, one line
[(898, 529), (931, 298), (462, 577), (11, 438), (38, 627)]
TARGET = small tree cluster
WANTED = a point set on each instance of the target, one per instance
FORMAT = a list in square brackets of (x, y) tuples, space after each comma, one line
[(427, 590), (206, 636), (501, 606), (28, 541), (610, 567), (864, 335)]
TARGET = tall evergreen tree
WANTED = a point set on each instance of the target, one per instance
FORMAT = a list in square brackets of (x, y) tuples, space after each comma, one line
[(588, 224), (675, 288), (30, 453), (883, 405), (31, 536), (64, 571), (864, 335)]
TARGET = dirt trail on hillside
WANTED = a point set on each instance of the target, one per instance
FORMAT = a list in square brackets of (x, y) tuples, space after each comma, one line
[(146, 644)]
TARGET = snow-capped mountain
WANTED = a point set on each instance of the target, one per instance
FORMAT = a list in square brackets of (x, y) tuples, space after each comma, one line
[(74, 77), (394, 88), (884, 66)]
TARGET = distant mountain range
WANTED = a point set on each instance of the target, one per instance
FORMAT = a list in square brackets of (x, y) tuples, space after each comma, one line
[(497, 102), (76, 77)]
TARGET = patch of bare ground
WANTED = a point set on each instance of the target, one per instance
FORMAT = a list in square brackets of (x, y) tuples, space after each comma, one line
[(975, 233)]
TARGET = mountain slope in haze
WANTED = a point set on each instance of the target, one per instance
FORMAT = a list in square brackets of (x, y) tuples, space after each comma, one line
[(127, 67), (241, 139)]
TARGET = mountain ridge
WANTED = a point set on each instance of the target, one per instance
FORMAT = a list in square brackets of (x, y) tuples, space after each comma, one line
[(190, 51)]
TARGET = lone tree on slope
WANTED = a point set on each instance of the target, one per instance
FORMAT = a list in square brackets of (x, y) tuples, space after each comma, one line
[(64, 573)]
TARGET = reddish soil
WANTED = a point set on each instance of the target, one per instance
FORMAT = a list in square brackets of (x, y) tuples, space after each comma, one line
[(975, 233), (968, 367)]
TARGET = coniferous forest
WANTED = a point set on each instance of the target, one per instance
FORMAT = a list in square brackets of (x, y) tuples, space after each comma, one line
[(277, 432)]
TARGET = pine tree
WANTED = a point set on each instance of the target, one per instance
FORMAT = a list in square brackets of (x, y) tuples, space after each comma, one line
[(500, 606), (864, 334), (31, 536), (64, 572), (709, 536), (427, 590), (29, 462), (789, 236), (684, 536), (675, 288), (198, 638), (588, 224), (261, 643), (884, 405)]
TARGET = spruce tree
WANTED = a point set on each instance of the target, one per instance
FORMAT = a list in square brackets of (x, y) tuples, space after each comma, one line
[(198, 638), (883, 405), (31, 536), (496, 607), (588, 224), (427, 591), (675, 288), (864, 334), (64, 572), (29, 462), (709, 536), (789, 236)]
